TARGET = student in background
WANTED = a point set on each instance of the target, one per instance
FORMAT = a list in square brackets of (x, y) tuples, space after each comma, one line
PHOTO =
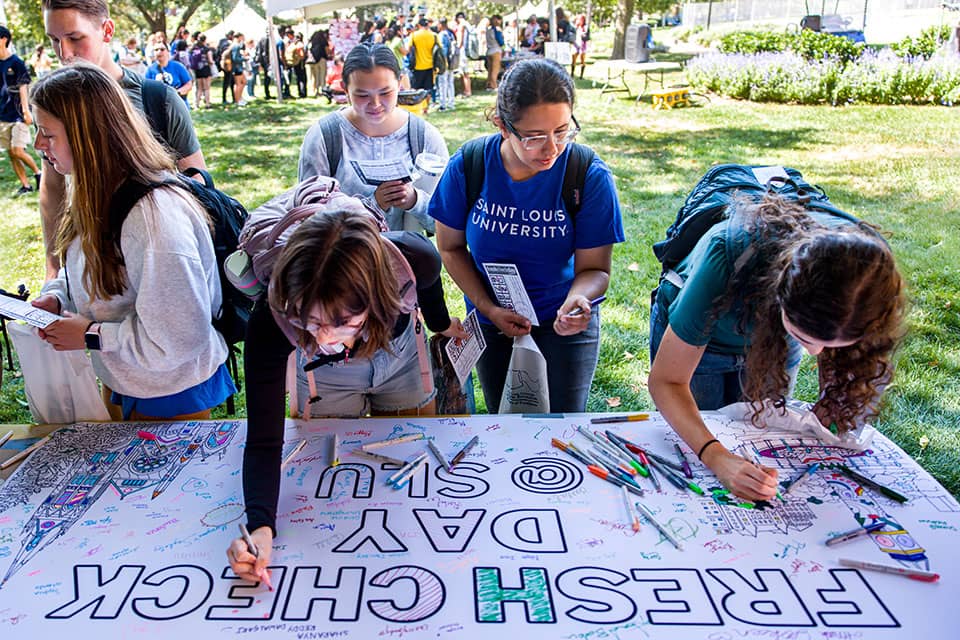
[(736, 327), (494, 51), (338, 295), (372, 127), (520, 218), (142, 292), (15, 119), (170, 72)]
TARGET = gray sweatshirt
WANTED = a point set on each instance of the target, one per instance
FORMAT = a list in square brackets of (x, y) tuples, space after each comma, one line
[(359, 146), (157, 337)]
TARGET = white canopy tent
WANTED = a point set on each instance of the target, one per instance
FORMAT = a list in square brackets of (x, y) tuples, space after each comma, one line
[(242, 19)]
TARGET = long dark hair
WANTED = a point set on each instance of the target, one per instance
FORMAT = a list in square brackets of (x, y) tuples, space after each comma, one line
[(368, 56), (832, 284)]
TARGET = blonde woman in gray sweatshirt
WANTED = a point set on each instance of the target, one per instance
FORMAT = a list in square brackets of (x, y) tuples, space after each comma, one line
[(138, 292)]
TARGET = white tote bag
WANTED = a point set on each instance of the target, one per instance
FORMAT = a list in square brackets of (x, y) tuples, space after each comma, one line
[(525, 389), (61, 387)]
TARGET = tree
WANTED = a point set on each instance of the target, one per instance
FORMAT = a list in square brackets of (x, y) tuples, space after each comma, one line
[(624, 15), (153, 13)]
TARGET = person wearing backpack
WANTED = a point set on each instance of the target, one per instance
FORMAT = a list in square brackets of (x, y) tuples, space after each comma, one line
[(730, 319), (201, 61), (343, 296), (373, 128), (422, 42), (526, 212), (140, 294), (451, 56), (237, 57), (223, 61), (83, 30)]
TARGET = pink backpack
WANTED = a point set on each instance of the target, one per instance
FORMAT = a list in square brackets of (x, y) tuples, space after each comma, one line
[(264, 237)]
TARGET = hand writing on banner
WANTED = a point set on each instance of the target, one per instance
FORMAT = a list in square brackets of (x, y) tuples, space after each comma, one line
[(741, 476), (510, 323), (247, 565)]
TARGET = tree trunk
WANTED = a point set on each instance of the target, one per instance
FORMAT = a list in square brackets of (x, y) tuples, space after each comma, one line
[(623, 17)]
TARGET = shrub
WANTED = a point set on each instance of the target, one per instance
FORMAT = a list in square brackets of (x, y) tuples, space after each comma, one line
[(811, 45), (878, 78), (924, 45), (749, 42)]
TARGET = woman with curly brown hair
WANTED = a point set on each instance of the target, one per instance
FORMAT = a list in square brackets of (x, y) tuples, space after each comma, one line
[(771, 280)]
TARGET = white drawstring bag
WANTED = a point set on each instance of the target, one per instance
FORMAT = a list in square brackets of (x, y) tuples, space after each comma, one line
[(525, 389), (61, 386)]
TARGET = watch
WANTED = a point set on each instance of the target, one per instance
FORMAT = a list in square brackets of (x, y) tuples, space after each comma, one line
[(92, 336)]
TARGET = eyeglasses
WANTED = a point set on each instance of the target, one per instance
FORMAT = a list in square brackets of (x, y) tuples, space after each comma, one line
[(339, 329), (534, 143)]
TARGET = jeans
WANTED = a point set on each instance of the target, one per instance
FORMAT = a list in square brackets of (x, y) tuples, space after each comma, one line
[(571, 362), (718, 378)]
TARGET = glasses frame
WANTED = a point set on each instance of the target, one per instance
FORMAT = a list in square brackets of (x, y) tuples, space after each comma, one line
[(312, 327), (532, 143)]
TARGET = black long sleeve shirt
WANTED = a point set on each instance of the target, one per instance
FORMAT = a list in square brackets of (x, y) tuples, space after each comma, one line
[(265, 355)]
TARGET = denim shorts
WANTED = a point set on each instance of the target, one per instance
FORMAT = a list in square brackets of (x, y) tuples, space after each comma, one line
[(385, 383), (718, 378)]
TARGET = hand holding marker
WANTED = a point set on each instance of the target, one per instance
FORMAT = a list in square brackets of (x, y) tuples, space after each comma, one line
[(579, 310)]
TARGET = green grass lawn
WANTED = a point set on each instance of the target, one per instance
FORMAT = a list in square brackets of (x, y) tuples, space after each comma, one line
[(895, 166)]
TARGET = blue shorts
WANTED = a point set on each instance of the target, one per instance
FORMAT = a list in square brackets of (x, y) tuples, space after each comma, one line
[(206, 395)]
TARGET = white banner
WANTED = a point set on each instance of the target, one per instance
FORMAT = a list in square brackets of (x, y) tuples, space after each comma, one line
[(114, 531)]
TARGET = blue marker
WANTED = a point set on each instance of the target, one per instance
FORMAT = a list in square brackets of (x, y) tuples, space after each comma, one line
[(802, 478)]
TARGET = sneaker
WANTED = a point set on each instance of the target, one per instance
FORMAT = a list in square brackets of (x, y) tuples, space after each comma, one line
[(22, 190), (36, 178), (242, 103)]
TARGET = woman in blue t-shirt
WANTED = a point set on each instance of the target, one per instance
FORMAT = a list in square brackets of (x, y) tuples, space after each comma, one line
[(730, 321), (520, 219)]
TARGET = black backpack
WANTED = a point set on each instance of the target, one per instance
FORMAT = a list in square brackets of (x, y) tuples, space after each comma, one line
[(574, 178), (228, 217), (440, 62), (708, 201)]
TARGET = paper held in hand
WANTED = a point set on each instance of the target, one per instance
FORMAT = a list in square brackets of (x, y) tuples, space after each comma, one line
[(464, 356), (508, 286), (21, 310), (376, 172)]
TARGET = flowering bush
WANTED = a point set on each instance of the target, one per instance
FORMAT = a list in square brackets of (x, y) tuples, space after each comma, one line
[(878, 78), (924, 45)]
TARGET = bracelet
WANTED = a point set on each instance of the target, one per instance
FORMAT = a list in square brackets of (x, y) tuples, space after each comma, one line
[(704, 448)]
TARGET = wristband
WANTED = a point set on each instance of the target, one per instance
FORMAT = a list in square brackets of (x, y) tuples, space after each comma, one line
[(704, 448)]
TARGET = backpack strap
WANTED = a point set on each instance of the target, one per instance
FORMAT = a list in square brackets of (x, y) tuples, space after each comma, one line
[(154, 96), (416, 135), (474, 168), (575, 178), (332, 140), (123, 200)]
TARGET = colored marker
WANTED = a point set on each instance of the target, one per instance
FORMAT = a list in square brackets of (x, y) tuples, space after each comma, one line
[(439, 456), (5, 438), (335, 451), (463, 452), (252, 548), (290, 456), (683, 462), (400, 482), (913, 574), (143, 435), (606, 475), (9, 462), (579, 310), (410, 437), (870, 483), (634, 417), (673, 478), (630, 512), (632, 447), (648, 514), (379, 457), (854, 534), (406, 467), (576, 455), (635, 462), (802, 478), (756, 461)]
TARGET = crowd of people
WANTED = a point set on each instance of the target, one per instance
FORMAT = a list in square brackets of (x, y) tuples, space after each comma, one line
[(342, 293)]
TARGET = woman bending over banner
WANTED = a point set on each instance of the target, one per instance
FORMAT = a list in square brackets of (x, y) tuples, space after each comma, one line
[(760, 286), (344, 297), (138, 287), (520, 215)]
